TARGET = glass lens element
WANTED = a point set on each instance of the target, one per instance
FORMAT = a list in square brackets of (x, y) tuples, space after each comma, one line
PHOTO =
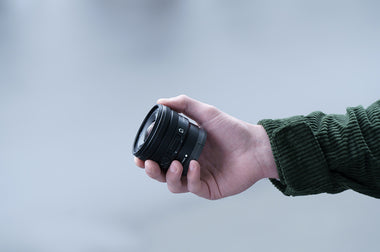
[(149, 130)]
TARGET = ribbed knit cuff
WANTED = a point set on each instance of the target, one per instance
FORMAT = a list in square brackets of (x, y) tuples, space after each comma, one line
[(300, 162)]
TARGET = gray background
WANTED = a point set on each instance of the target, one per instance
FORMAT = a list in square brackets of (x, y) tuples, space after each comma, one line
[(77, 78)]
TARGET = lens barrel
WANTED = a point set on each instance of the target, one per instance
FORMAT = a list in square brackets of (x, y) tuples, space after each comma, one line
[(165, 136)]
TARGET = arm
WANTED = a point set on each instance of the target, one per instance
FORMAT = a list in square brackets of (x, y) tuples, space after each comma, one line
[(301, 155), (327, 153)]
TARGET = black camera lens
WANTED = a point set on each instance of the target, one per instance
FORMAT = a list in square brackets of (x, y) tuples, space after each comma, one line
[(165, 136)]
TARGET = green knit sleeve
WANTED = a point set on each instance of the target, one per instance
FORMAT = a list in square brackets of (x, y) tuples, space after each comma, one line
[(321, 153)]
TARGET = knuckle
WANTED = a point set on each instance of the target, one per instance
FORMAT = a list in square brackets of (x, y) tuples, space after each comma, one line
[(211, 110), (192, 189), (183, 97), (173, 189), (193, 185)]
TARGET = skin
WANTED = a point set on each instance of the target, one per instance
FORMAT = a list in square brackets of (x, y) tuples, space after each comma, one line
[(236, 154)]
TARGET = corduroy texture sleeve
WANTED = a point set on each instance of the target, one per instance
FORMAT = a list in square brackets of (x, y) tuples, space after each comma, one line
[(321, 153)]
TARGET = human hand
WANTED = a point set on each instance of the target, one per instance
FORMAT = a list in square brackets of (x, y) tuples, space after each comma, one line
[(236, 154)]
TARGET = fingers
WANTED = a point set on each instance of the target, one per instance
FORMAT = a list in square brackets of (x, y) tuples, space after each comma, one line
[(174, 178), (153, 170), (196, 110), (175, 182), (139, 162), (194, 183)]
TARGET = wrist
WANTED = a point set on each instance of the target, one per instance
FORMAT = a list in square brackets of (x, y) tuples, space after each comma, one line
[(264, 154)]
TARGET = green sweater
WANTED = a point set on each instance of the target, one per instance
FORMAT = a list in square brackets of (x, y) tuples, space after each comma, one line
[(327, 153)]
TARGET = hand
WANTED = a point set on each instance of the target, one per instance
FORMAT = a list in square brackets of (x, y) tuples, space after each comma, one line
[(236, 154)]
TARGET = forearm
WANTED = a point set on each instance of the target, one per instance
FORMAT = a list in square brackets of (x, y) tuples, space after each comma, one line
[(327, 153)]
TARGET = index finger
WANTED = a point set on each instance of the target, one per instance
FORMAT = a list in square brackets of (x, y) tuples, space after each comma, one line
[(196, 110)]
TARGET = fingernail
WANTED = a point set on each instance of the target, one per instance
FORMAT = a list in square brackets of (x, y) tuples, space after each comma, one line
[(148, 170), (192, 165), (174, 168)]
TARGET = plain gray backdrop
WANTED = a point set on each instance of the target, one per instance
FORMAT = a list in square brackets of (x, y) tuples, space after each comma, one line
[(78, 77)]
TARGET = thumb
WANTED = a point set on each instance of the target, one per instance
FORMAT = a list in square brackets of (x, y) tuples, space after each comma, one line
[(196, 110)]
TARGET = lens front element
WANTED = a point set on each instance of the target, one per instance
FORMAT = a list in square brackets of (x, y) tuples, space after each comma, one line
[(149, 130)]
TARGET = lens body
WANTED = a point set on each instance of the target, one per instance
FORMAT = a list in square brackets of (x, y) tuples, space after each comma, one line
[(165, 136)]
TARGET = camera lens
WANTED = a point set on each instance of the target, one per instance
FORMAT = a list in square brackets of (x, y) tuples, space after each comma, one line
[(165, 136)]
